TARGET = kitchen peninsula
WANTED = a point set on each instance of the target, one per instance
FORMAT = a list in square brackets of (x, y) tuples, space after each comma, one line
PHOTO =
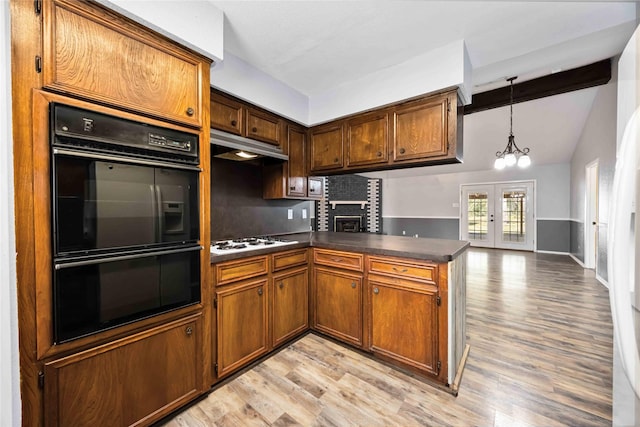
[(399, 299)]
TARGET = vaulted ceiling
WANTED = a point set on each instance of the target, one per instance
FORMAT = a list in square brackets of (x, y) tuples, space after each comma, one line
[(313, 46)]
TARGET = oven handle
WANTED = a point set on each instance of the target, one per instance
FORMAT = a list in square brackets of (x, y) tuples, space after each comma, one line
[(112, 158), (125, 257)]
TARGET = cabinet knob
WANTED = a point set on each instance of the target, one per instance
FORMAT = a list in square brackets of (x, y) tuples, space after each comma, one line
[(233, 123), (189, 330), (353, 285), (379, 154), (336, 160), (259, 291), (254, 129), (190, 111), (376, 291), (402, 150), (281, 285), (292, 187)]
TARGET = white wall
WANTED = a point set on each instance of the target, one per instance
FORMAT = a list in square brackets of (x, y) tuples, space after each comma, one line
[(9, 362), (434, 195)]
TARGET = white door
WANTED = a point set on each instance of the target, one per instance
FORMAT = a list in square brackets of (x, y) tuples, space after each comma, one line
[(499, 215)]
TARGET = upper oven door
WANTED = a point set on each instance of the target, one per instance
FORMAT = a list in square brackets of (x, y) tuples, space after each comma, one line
[(101, 205)]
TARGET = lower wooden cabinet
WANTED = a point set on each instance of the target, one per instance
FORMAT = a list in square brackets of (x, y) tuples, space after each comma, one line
[(242, 324), (404, 323), (133, 381), (338, 304), (290, 304)]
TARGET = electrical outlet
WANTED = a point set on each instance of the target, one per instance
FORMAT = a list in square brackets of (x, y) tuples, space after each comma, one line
[(304, 214), (289, 213), (416, 236), (404, 233)]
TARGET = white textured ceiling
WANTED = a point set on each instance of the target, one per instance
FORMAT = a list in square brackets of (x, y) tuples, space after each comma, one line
[(313, 46)]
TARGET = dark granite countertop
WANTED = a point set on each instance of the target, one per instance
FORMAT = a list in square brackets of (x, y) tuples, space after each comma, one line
[(436, 250)]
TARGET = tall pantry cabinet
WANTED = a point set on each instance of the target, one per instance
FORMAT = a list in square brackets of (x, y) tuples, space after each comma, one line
[(88, 56)]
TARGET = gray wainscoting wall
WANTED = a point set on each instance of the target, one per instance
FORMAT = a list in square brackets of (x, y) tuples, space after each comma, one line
[(576, 247), (435, 228), (553, 235), (238, 209)]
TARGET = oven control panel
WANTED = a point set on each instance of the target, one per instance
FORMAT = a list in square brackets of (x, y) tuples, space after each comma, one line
[(163, 141)]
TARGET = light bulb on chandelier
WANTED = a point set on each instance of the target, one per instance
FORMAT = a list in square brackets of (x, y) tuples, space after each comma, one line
[(512, 155)]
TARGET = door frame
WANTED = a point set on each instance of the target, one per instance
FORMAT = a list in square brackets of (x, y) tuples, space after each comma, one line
[(591, 207), (534, 199)]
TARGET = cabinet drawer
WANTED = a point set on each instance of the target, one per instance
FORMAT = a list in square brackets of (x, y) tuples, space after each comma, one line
[(289, 259), (245, 268), (398, 268), (346, 260)]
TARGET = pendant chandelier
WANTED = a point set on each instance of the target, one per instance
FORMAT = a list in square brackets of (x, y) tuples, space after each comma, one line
[(512, 155)]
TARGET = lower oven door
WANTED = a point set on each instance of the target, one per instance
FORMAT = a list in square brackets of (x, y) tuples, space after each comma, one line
[(93, 295)]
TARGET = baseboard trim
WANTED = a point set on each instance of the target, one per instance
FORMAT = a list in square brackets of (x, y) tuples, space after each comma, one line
[(552, 252), (580, 263), (600, 279)]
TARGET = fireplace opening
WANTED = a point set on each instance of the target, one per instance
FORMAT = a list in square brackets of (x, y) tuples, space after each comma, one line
[(348, 223)]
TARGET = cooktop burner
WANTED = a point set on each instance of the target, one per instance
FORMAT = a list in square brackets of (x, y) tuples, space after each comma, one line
[(247, 244)]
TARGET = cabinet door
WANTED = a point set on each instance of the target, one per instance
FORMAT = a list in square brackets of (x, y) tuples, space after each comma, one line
[(368, 140), (297, 170), (242, 324), (290, 309), (133, 381), (263, 126), (98, 55), (326, 147), (338, 304), (226, 114), (316, 187), (404, 324), (420, 130)]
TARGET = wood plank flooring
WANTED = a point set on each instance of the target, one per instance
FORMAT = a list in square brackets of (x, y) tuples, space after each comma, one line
[(540, 332)]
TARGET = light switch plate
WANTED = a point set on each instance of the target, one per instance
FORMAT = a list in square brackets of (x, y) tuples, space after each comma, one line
[(289, 213), (304, 214)]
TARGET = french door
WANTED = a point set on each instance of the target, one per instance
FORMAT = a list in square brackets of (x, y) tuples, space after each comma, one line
[(498, 215)]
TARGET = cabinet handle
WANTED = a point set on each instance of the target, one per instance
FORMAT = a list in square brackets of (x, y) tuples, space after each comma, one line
[(379, 153), (260, 291), (189, 330), (376, 291), (402, 151), (190, 111), (281, 285), (404, 270), (336, 160), (293, 187), (254, 129), (233, 123), (353, 285), (336, 259)]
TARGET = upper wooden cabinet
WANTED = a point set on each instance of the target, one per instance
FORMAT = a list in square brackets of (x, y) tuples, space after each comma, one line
[(327, 144), (368, 139), (98, 55), (420, 132), (297, 164), (240, 118)]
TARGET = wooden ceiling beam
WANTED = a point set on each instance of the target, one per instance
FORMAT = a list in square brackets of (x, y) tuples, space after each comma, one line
[(595, 74)]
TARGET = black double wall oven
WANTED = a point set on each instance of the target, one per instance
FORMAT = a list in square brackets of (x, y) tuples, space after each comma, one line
[(125, 221)]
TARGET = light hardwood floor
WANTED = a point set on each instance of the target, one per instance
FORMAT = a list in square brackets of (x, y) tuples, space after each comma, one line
[(540, 332)]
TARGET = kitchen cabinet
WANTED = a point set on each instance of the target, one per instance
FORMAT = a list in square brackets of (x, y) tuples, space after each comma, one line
[(327, 143), (403, 300), (232, 115), (337, 295), (368, 139), (421, 130), (290, 180), (133, 381), (290, 305), (315, 185), (121, 63), (242, 324)]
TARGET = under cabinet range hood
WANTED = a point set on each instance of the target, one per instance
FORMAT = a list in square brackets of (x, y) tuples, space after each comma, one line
[(234, 147)]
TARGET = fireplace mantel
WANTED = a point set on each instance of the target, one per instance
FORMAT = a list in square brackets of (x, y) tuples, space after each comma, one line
[(362, 203)]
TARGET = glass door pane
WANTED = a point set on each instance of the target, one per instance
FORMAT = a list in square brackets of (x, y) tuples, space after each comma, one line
[(478, 225), (515, 228)]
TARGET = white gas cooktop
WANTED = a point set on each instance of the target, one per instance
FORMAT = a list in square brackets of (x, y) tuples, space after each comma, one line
[(247, 244)]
